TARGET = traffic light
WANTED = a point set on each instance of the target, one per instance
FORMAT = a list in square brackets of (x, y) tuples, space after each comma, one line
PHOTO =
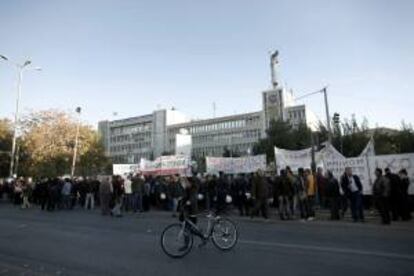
[(336, 118)]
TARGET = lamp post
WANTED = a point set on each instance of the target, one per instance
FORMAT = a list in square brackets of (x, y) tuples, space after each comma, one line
[(20, 69), (328, 117), (75, 149)]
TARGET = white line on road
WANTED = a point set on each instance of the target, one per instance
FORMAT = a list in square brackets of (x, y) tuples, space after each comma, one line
[(331, 249)]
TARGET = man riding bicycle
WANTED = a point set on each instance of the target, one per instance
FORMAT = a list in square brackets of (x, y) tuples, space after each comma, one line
[(188, 206)]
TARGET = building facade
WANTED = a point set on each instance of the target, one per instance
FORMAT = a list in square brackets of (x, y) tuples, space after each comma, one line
[(152, 135)]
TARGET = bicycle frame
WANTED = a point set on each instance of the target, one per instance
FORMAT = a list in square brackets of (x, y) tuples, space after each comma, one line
[(212, 220)]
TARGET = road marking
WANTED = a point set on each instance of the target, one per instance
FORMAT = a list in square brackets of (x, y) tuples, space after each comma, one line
[(331, 249)]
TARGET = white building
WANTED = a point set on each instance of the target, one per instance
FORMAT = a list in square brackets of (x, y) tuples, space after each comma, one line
[(149, 136)]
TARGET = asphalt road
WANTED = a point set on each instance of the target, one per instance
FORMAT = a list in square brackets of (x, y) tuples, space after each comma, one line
[(81, 242)]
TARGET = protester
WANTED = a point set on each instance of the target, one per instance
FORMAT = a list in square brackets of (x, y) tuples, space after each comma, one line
[(260, 192), (405, 184), (89, 194), (211, 191), (128, 198), (285, 192), (26, 194), (222, 190), (53, 194), (321, 182), (137, 189), (332, 195), (381, 191), (18, 190), (310, 193), (105, 192), (66, 194), (118, 193), (299, 193), (352, 187), (396, 196), (240, 194)]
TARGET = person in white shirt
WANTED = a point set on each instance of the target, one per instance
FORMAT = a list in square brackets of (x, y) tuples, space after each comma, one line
[(128, 193), (352, 187)]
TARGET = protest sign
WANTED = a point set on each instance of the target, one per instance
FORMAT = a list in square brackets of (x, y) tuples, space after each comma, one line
[(357, 164), (122, 169), (395, 162), (234, 165), (167, 165)]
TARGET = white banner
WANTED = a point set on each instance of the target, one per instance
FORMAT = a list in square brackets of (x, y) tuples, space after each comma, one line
[(122, 169), (295, 159), (359, 167), (329, 152), (167, 165), (235, 165), (395, 162)]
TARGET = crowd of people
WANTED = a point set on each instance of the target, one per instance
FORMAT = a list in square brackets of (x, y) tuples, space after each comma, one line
[(295, 195)]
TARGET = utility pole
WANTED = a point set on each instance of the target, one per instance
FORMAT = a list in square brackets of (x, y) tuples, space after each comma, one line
[(273, 62), (328, 117), (75, 149), (20, 69)]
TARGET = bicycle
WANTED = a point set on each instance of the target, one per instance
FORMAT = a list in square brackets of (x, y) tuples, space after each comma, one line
[(177, 239)]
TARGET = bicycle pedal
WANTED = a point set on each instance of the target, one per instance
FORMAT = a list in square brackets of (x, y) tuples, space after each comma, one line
[(202, 244)]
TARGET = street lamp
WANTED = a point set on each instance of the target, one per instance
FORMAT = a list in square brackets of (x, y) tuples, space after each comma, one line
[(75, 150), (20, 69), (328, 118)]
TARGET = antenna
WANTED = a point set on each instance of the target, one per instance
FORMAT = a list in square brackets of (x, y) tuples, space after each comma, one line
[(214, 109)]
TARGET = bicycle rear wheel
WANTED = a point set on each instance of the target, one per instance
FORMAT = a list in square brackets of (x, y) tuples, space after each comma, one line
[(225, 234), (176, 240)]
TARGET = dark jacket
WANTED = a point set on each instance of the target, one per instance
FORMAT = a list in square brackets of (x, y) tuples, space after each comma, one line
[(381, 187), (332, 188), (345, 184), (395, 184), (260, 189)]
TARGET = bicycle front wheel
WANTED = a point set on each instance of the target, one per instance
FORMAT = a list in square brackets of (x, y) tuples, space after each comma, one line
[(225, 234), (176, 240)]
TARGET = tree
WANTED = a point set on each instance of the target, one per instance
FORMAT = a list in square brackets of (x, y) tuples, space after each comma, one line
[(6, 135), (48, 140), (282, 135)]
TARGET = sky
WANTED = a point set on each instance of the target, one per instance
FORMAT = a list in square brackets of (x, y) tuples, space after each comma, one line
[(131, 57)]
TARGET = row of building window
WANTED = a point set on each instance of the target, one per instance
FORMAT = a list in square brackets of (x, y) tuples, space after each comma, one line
[(227, 137), (222, 125), (131, 129), (299, 114), (241, 149), (131, 137), (131, 147)]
